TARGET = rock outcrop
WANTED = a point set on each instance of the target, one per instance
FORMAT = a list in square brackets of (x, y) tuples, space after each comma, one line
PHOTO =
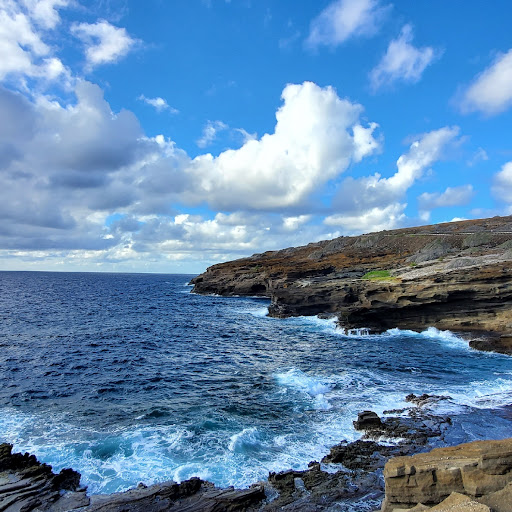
[(455, 276), (473, 476), (27, 485)]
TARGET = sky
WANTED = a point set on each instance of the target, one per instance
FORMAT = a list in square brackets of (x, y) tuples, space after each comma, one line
[(169, 135)]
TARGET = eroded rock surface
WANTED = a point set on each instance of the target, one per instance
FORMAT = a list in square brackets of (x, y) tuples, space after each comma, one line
[(455, 276), (480, 473), (27, 485)]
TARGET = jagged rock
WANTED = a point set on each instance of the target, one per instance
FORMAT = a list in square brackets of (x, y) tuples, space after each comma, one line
[(432, 281), (474, 469), (192, 495), (316, 490), (366, 455), (27, 485), (425, 399), (366, 420)]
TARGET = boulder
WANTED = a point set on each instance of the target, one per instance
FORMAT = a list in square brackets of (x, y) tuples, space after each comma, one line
[(367, 420)]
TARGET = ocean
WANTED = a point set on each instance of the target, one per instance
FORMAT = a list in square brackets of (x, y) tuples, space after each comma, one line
[(130, 378)]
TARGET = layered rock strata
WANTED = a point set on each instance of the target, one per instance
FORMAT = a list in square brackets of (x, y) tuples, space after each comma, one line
[(27, 485), (473, 476), (455, 276)]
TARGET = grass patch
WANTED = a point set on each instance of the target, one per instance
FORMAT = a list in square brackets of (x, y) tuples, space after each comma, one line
[(376, 275)]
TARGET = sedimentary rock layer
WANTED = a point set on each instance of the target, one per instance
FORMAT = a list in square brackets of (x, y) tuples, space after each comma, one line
[(453, 276), (27, 485), (473, 476)]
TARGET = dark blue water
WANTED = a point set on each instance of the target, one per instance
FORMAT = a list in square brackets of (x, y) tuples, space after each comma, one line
[(129, 378)]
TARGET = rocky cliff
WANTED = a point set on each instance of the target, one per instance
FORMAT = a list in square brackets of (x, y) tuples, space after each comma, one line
[(455, 276)]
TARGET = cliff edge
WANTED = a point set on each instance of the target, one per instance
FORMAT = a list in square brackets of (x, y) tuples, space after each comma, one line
[(455, 276)]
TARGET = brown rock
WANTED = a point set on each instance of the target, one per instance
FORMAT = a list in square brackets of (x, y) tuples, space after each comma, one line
[(474, 469), (499, 501), (460, 503), (432, 280)]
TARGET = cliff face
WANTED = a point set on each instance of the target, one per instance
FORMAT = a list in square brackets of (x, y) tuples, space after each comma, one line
[(453, 276)]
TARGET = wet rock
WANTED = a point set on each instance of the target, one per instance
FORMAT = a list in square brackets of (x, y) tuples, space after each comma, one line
[(26, 484), (425, 399), (367, 420), (365, 455), (317, 490)]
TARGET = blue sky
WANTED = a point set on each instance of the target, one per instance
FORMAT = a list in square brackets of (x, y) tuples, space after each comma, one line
[(166, 135)]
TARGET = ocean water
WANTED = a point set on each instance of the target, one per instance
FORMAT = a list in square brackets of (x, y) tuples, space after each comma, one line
[(130, 377)]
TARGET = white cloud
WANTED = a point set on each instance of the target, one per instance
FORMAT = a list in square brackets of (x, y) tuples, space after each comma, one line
[(480, 155), (452, 196), (371, 201), (45, 12), (210, 131), (316, 137), (294, 223), (502, 183), (402, 61), (246, 136), (159, 104), (491, 91), (22, 50), (371, 219), (345, 19), (104, 42)]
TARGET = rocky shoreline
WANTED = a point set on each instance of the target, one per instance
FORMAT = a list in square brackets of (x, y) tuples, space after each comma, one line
[(355, 476), (455, 276)]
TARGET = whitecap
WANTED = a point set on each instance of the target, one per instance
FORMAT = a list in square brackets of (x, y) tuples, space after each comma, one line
[(300, 381), (259, 312), (248, 440)]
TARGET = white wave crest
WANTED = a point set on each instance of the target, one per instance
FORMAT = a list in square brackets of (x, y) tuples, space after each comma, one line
[(448, 338), (249, 439)]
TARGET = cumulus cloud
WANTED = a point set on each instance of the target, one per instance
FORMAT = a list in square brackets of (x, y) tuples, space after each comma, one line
[(104, 43), (45, 12), (159, 104), (69, 168), (210, 131), (452, 196), (376, 201), (402, 61), (23, 51), (491, 91), (65, 168), (345, 19), (371, 219), (316, 137), (502, 183)]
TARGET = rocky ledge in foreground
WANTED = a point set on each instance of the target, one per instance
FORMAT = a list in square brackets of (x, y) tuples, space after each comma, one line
[(455, 276), (27, 485), (473, 476)]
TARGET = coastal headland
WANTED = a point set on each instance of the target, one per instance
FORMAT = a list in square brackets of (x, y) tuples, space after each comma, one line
[(453, 276)]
